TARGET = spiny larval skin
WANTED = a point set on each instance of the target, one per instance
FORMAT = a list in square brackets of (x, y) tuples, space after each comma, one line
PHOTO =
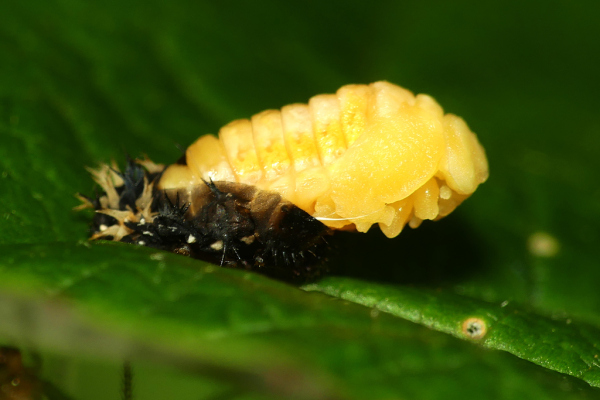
[(227, 223)]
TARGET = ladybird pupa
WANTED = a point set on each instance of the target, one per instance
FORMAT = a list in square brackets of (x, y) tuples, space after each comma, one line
[(265, 193), (368, 154)]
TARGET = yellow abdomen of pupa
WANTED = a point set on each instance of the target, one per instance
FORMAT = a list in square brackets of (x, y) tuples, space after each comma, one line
[(367, 154)]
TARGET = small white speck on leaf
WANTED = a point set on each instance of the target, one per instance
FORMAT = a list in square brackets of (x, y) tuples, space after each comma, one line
[(542, 244), (157, 256)]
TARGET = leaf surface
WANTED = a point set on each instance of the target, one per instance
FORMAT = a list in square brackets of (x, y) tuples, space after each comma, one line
[(83, 83)]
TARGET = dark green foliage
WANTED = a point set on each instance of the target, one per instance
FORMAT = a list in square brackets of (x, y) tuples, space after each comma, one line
[(84, 82)]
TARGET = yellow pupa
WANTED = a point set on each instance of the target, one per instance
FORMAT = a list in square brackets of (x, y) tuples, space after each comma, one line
[(367, 154)]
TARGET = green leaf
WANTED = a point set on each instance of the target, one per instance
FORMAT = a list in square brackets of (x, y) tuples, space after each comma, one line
[(555, 343), (243, 328), (85, 82)]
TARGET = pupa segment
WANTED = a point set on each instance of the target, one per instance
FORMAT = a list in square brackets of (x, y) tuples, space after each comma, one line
[(370, 154)]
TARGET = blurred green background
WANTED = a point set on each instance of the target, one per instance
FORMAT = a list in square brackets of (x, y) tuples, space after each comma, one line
[(86, 82)]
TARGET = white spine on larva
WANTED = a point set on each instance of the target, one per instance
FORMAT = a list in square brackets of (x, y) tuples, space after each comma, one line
[(368, 154)]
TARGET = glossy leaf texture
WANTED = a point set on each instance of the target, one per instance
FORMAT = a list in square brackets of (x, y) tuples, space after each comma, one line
[(241, 333), (86, 82)]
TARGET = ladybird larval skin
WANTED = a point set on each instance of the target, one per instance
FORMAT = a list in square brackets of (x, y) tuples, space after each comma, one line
[(227, 223)]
